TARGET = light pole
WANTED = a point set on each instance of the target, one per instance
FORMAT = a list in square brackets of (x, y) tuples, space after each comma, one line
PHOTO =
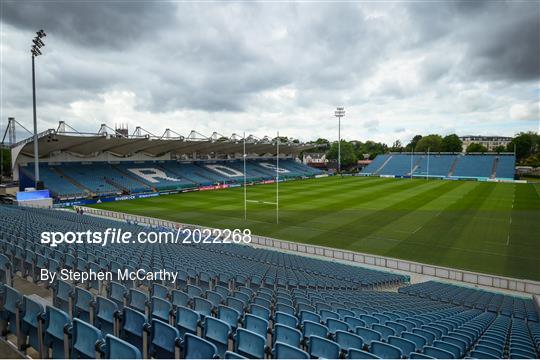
[(339, 113), (38, 44)]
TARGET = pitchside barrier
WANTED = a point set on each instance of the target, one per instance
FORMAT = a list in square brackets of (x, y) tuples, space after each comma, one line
[(466, 277)]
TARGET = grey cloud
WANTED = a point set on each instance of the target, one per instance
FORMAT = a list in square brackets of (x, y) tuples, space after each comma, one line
[(109, 24)]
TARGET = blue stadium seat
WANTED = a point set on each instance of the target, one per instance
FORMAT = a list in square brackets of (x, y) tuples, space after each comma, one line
[(384, 330), (133, 328), (164, 341), (229, 315), (323, 348), (161, 309), (284, 351), (335, 325), (84, 340), (197, 348), (354, 322), (62, 293), (82, 304), (249, 344), (179, 298), (187, 320), (55, 322), (285, 319), (217, 332), (385, 351), (286, 335), (260, 311), (117, 292), (256, 324), (106, 316), (159, 291), (137, 300), (347, 341), (451, 348), (310, 328), (116, 348), (32, 311), (368, 335), (406, 346), (202, 306), (11, 309)]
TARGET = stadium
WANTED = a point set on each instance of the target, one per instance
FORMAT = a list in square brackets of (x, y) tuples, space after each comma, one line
[(119, 244)]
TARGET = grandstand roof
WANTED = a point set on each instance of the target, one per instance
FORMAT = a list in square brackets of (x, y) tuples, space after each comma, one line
[(52, 141)]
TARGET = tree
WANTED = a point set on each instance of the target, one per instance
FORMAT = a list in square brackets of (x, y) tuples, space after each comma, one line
[(475, 147), (526, 144), (500, 149), (412, 145), (348, 157), (452, 143), (396, 146), (431, 142)]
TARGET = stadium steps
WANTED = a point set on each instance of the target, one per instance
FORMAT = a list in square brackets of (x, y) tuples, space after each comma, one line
[(453, 167), (383, 165), (127, 174), (416, 165), (59, 172), (494, 168), (116, 185)]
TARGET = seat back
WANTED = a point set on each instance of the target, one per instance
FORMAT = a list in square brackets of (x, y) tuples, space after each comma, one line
[(81, 307), (312, 328), (161, 309), (132, 329), (229, 315), (368, 335), (84, 339), (197, 348), (285, 319), (286, 335), (137, 300), (116, 348), (323, 348), (354, 322), (164, 340), (347, 341), (250, 344), (385, 351), (284, 351), (417, 339), (187, 320), (106, 315), (384, 330), (256, 324), (217, 332), (31, 310), (406, 346), (448, 347), (55, 323)]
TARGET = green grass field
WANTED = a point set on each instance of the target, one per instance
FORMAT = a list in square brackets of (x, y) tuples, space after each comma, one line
[(486, 227)]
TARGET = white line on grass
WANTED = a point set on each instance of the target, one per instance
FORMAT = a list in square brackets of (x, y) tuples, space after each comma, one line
[(510, 221)]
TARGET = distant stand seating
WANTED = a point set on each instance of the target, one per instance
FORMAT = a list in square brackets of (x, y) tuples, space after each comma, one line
[(473, 166), (79, 180)]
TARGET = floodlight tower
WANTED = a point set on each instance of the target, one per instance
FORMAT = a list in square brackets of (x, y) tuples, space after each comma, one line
[(339, 113), (38, 44)]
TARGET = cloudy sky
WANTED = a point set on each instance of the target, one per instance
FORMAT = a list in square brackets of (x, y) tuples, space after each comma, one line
[(399, 68)]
